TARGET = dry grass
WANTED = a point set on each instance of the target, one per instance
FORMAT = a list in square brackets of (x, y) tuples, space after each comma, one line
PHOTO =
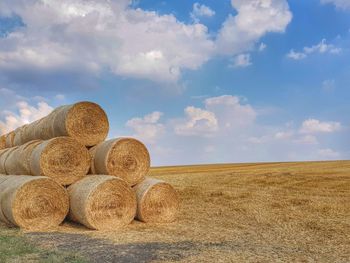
[(281, 212)]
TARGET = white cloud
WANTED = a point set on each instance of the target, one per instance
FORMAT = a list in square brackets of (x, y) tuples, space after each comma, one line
[(94, 36), (222, 114), (231, 112), (60, 97), (148, 128), (24, 114), (307, 139), (320, 48), (284, 135), (328, 153), (241, 61), (262, 46), (201, 11), (342, 4), (227, 129), (316, 126), (255, 18), (296, 55), (197, 122), (97, 35)]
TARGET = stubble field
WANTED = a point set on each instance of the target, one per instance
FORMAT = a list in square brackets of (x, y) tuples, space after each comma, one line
[(269, 212)]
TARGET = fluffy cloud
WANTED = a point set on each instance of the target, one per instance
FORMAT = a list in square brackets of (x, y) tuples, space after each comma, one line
[(342, 4), (96, 35), (328, 154), (241, 61), (231, 112), (201, 11), (255, 18), (90, 37), (24, 114), (316, 126), (220, 115), (197, 122), (320, 48), (262, 46), (227, 129), (148, 128)]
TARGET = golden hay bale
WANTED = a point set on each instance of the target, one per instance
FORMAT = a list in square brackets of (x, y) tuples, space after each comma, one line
[(157, 201), (32, 202), (10, 139), (4, 154), (63, 159), (2, 142), (84, 121), (18, 160), (127, 158), (102, 202)]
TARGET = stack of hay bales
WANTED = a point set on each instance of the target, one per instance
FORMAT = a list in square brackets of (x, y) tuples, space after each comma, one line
[(61, 166)]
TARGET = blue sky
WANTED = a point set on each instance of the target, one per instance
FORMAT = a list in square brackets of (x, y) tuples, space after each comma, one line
[(197, 81)]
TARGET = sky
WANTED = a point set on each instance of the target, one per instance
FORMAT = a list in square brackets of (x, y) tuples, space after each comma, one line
[(197, 81)]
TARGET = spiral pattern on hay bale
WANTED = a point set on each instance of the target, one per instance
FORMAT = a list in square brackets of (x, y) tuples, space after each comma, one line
[(63, 159), (102, 202), (32, 202), (127, 158), (157, 201)]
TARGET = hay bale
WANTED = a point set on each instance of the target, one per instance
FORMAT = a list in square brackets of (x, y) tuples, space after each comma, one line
[(18, 160), (127, 158), (63, 159), (10, 139), (84, 121), (4, 154), (32, 202), (2, 142), (102, 202), (157, 201)]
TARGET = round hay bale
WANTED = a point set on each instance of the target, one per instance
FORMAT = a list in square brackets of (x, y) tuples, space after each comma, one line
[(18, 160), (32, 202), (63, 159), (9, 139), (4, 154), (157, 201), (127, 158), (2, 142), (84, 121), (102, 202)]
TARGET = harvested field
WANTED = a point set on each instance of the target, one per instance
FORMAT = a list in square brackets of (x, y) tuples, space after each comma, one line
[(269, 212)]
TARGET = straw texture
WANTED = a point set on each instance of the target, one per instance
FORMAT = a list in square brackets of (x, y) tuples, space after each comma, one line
[(32, 202), (157, 201), (84, 121), (2, 142), (127, 158), (63, 159), (9, 139), (4, 154), (18, 160), (102, 202)]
